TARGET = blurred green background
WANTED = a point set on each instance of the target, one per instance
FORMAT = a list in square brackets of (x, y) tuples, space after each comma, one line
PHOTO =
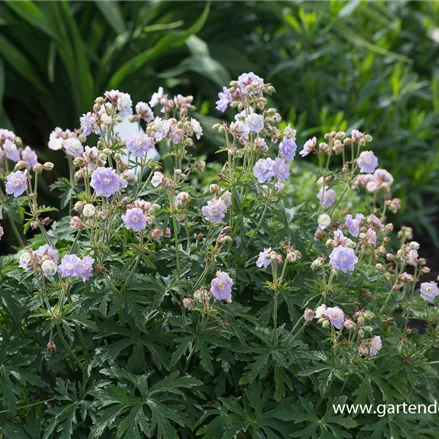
[(335, 65)]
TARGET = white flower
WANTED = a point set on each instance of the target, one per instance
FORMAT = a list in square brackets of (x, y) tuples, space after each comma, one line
[(89, 210), (324, 221), (49, 267), (157, 97), (196, 128), (157, 178), (56, 143), (73, 147), (320, 310)]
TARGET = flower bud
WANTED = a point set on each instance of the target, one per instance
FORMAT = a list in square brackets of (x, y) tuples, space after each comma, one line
[(38, 167), (78, 161), (20, 165), (51, 346), (214, 188), (157, 233), (188, 303), (368, 315), (349, 324), (309, 314), (325, 324), (76, 223)]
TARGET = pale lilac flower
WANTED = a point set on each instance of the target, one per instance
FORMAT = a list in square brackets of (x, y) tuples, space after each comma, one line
[(383, 177), (177, 134), (335, 316), (105, 182), (221, 286), (255, 122), (262, 144), (47, 251), (375, 345), (263, 170), (1, 232), (73, 146), (158, 98), (264, 259), (340, 239), (16, 183), (144, 111), (225, 98), (215, 211), (343, 259), (327, 197), (11, 151), (134, 219), (7, 134), (429, 291), (196, 128), (247, 79), (324, 221), (281, 169), (87, 121), (162, 127), (157, 178), (412, 257), (182, 198), (308, 147), (29, 157), (70, 266), (93, 158), (287, 149), (367, 162), (243, 114), (124, 104), (112, 95), (371, 237), (139, 144), (354, 224), (239, 129), (86, 268)]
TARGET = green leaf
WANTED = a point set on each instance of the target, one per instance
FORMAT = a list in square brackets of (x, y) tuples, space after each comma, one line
[(172, 40), (112, 12), (30, 12)]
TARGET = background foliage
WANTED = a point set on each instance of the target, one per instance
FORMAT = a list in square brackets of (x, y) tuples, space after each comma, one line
[(373, 66)]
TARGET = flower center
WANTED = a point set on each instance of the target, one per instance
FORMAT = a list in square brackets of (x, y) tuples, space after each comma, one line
[(16, 182), (135, 219), (221, 286), (69, 266), (106, 180), (343, 259)]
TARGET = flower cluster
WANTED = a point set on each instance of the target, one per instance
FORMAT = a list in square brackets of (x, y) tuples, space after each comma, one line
[(149, 242)]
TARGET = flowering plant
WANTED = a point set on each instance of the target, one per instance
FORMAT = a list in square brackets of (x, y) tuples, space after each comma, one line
[(180, 300)]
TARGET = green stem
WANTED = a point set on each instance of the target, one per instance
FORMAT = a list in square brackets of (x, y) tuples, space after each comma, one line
[(67, 347)]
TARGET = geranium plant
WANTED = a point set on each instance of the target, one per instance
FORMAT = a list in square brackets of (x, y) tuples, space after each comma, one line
[(179, 299)]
